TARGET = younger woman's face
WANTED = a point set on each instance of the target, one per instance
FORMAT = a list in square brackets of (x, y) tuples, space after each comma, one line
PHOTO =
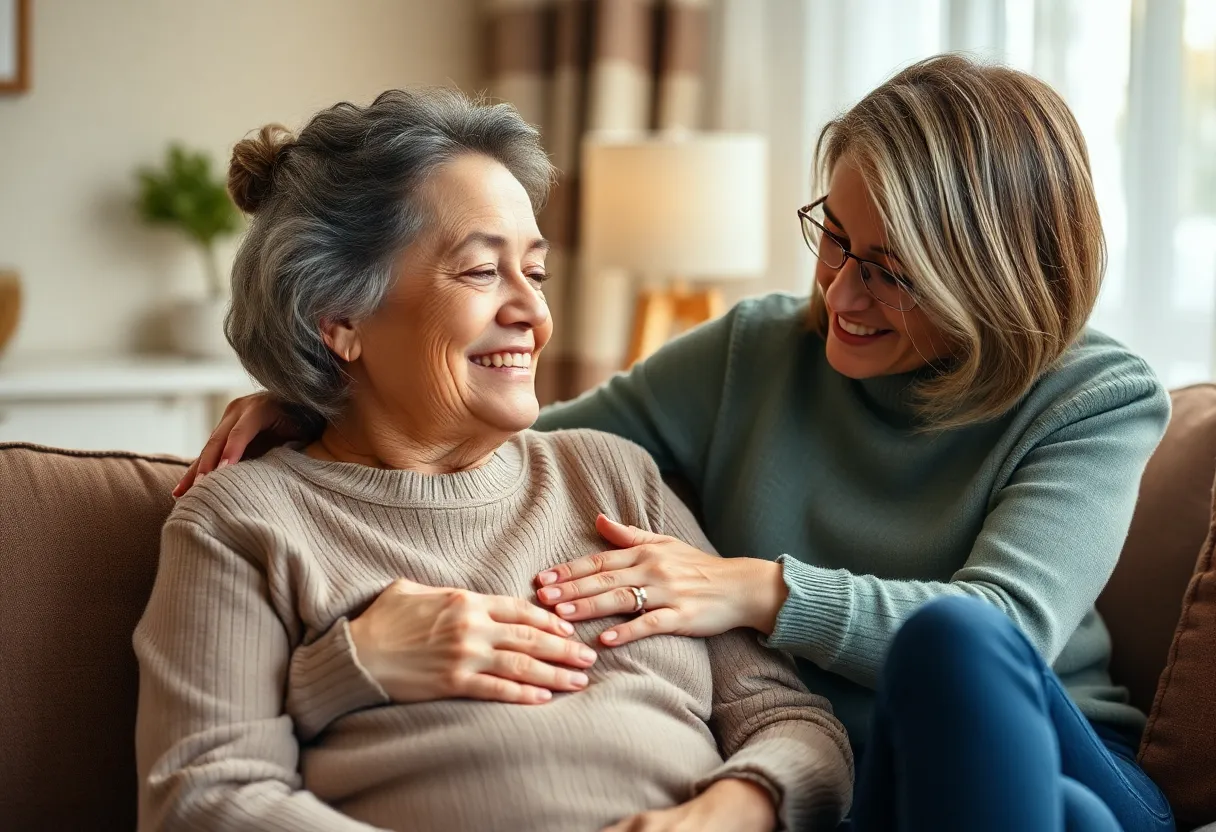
[(866, 338)]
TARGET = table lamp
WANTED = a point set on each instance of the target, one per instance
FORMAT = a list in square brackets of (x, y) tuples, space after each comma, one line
[(675, 210)]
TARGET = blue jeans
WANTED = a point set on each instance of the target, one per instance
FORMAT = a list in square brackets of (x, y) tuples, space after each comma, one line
[(973, 731)]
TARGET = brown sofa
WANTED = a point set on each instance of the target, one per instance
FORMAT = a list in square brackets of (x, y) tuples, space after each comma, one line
[(78, 548)]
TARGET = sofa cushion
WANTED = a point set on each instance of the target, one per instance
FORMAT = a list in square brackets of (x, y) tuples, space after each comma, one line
[(1179, 746), (79, 539), (1143, 599)]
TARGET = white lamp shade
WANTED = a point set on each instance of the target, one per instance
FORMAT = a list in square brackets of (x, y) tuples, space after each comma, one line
[(690, 207)]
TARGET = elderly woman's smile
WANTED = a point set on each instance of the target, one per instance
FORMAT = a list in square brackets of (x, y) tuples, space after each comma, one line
[(506, 360)]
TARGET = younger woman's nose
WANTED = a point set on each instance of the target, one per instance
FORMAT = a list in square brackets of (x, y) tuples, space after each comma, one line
[(846, 292)]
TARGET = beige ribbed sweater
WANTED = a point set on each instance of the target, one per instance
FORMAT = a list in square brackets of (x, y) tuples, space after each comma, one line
[(254, 712)]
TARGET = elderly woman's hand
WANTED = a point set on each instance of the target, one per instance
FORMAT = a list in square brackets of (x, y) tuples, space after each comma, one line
[(243, 420), (423, 644), (726, 806), (688, 592)]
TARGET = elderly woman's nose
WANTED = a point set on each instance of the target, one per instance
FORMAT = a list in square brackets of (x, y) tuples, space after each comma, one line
[(526, 303), (846, 292)]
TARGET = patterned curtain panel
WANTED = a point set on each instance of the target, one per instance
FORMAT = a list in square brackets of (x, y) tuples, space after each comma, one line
[(574, 67)]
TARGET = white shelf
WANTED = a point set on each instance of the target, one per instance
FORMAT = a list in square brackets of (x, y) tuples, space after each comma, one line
[(148, 404), (83, 377)]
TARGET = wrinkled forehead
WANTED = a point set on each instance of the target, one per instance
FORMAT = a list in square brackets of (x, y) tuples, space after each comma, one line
[(475, 201)]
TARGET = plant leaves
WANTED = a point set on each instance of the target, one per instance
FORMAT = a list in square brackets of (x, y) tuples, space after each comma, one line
[(185, 193)]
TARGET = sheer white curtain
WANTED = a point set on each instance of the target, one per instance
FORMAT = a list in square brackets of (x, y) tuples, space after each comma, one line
[(1140, 75)]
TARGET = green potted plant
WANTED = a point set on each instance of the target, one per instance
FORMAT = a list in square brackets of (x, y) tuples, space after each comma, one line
[(185, 194)]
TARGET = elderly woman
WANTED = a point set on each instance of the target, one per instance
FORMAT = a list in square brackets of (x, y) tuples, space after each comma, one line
[(390, 289), (921, 476)]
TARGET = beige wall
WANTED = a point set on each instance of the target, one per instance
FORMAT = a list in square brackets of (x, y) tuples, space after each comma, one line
[(114, 81)]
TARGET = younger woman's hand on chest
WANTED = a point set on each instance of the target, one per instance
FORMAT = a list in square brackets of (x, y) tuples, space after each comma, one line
[(687, 592)]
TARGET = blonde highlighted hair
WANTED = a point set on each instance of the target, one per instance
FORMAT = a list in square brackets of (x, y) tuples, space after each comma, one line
[(982, 182)]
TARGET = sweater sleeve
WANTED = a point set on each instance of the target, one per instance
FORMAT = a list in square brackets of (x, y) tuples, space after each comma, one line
[(668, 403), (1048, 544), (214, 747), (769, 728), (328, 681)]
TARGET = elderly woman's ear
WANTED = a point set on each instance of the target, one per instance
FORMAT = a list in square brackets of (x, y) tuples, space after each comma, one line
[(342, 339)]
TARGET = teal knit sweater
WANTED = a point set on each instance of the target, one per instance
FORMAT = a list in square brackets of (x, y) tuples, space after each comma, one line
[(870, 518)]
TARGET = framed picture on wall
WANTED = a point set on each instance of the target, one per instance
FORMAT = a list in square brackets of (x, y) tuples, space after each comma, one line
[(14, 45)]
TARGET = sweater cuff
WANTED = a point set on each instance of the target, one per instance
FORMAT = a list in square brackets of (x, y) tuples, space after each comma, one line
[(752, 775), (814, 620), (809, 790), (327, 682)]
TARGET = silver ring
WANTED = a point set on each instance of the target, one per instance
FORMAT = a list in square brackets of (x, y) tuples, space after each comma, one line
[(639, 598)]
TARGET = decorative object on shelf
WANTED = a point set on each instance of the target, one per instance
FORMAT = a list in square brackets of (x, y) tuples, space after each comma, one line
[(187, 195), (675, 209), (196, 328), (10, 305), (14, 45)]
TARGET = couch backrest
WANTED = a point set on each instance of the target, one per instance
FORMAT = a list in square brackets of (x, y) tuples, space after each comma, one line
[(1143, 599), (79, 536)]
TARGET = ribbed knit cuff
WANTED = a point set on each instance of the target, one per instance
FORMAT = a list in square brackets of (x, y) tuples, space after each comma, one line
[(814, 620), (327, 681), (808, 791), (751, 774)]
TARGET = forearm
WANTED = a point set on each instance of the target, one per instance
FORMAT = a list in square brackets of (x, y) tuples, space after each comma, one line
[(1048, 544), (829, 618), (260, 806), (844, 622)]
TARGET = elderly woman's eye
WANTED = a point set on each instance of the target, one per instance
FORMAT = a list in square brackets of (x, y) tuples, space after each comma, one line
[(538, 277)]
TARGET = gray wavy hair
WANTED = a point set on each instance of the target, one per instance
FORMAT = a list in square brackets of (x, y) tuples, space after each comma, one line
[(332, 210)]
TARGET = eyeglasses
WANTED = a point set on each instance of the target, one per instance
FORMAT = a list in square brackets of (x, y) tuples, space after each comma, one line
[(884, 286)]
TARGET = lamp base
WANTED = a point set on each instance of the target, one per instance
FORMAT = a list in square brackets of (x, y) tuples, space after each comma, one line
[(658, 311)]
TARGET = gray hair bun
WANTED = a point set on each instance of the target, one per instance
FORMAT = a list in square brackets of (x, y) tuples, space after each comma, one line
[(251, 172)]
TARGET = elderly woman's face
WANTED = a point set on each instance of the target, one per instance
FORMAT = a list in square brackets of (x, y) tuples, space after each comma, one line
[(452, 351)]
